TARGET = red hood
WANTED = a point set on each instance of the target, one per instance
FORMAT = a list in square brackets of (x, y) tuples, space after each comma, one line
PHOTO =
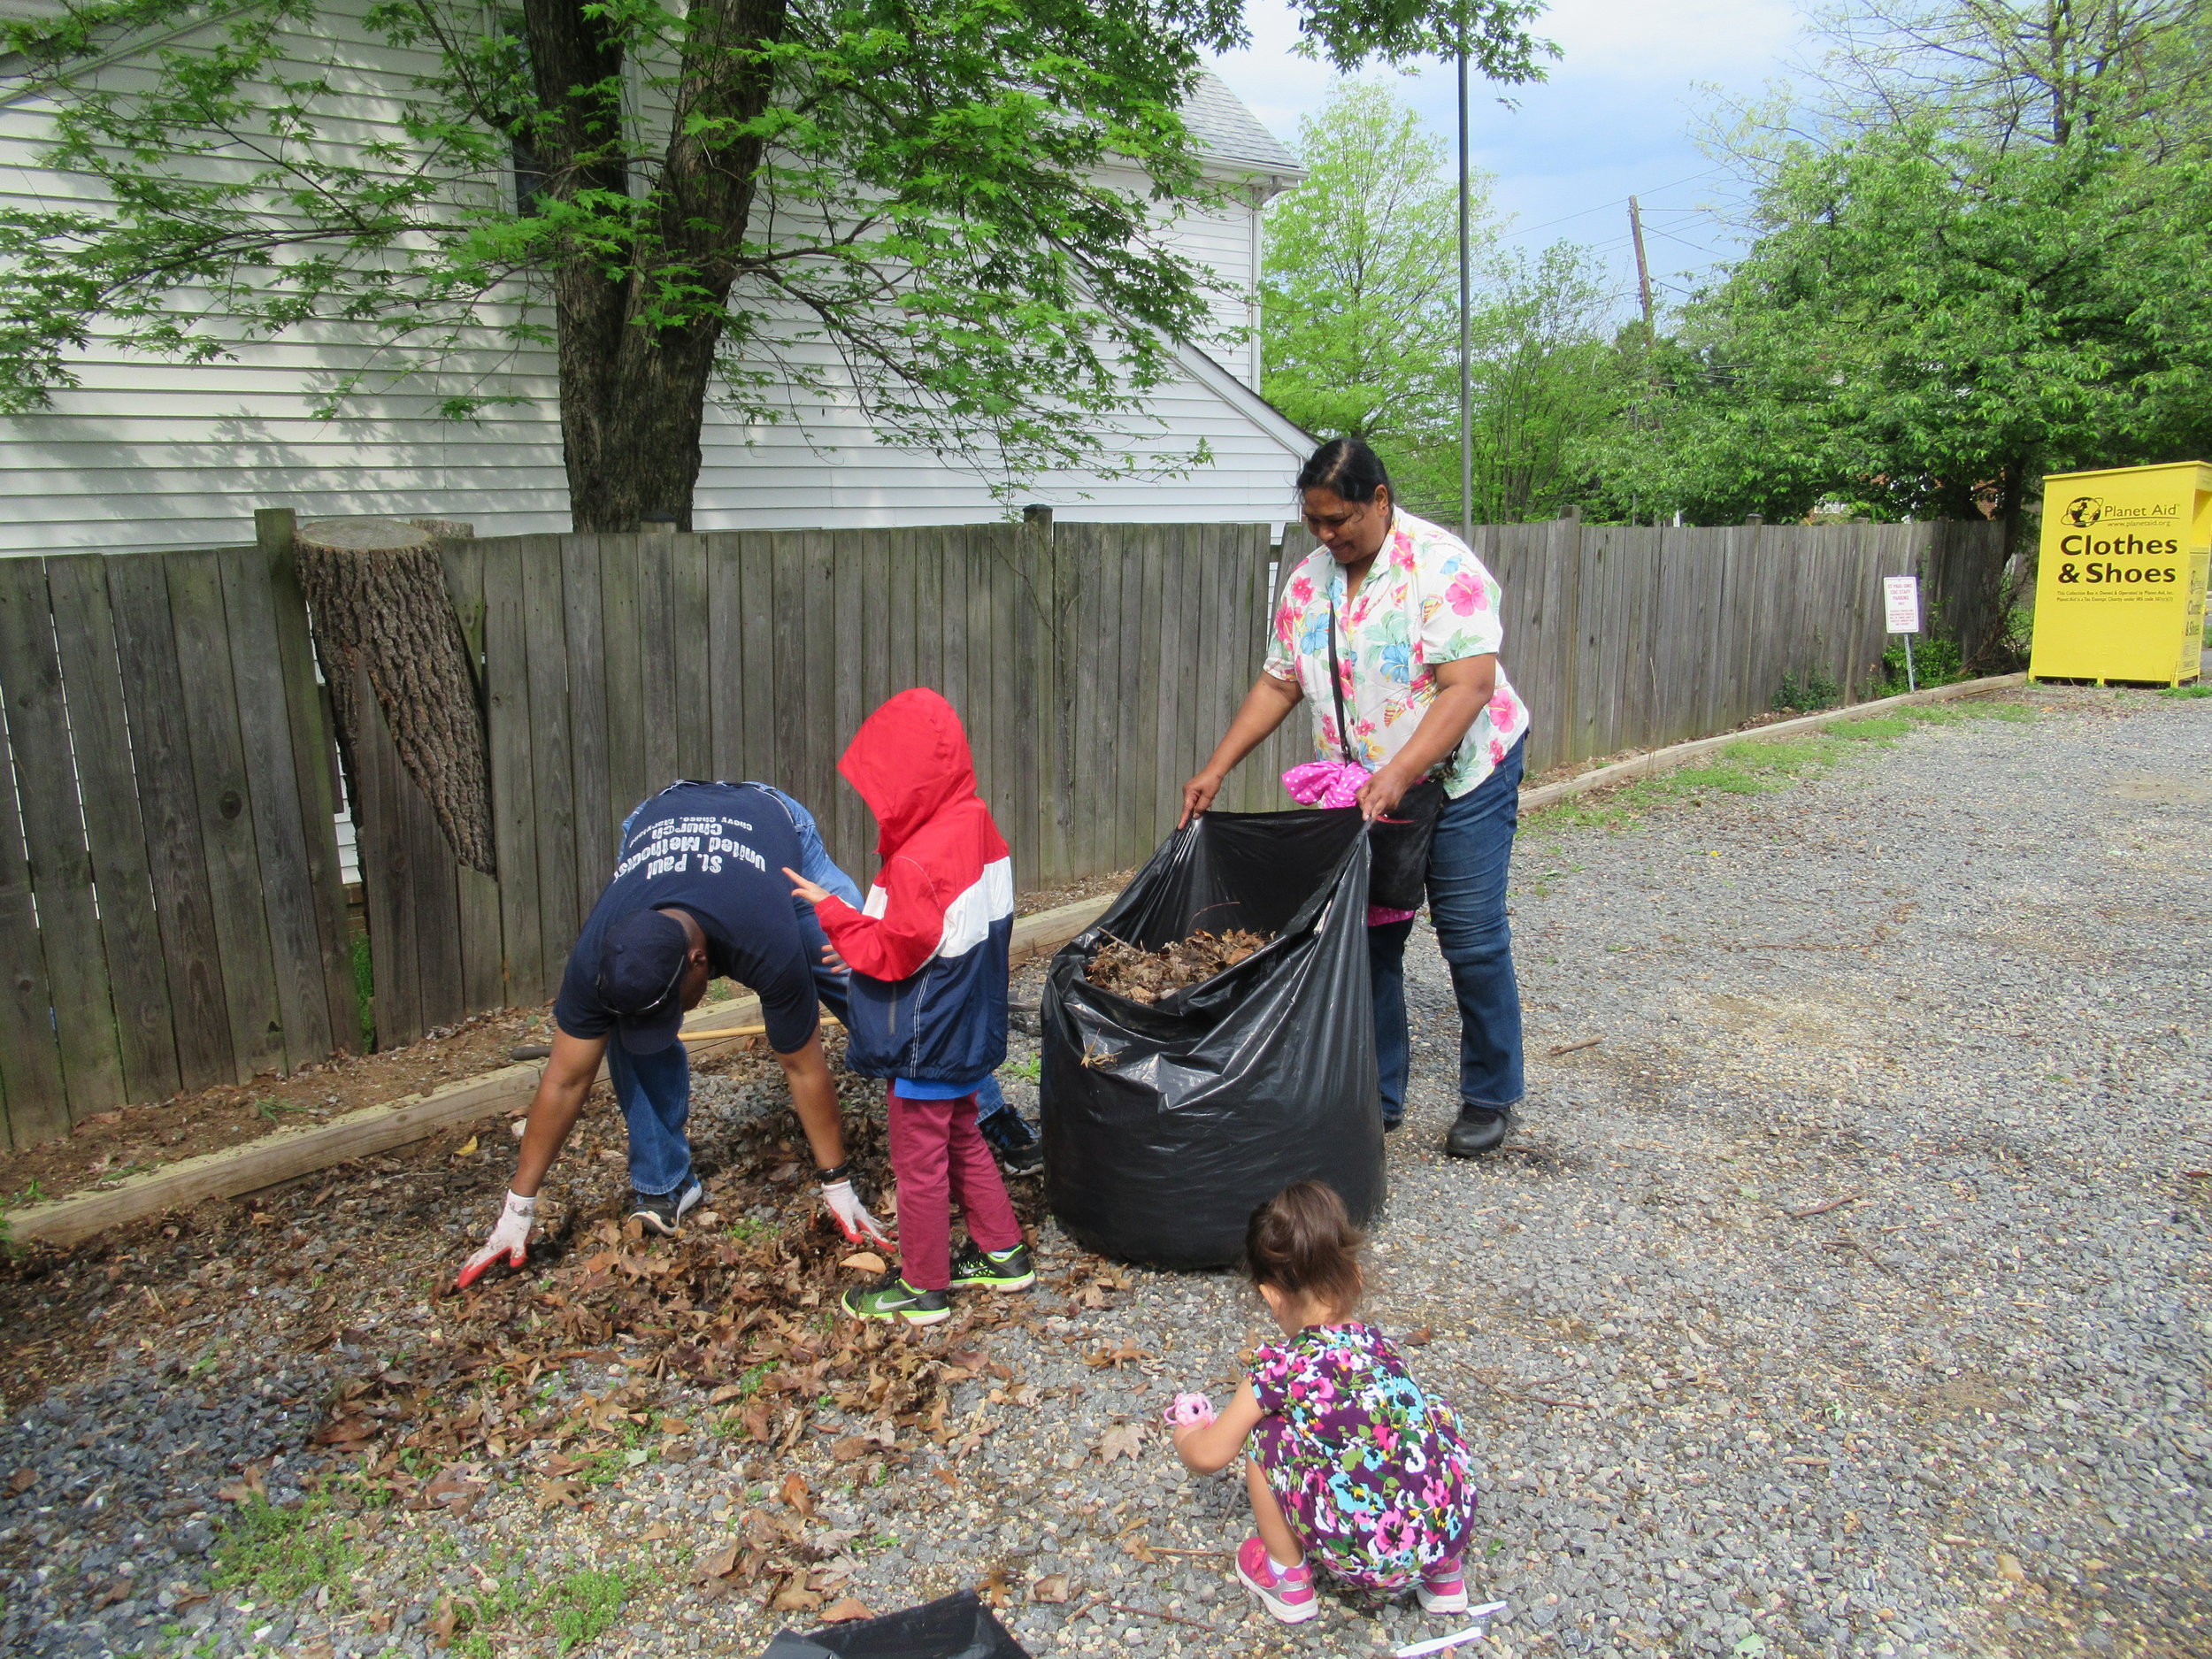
[(910, 761)]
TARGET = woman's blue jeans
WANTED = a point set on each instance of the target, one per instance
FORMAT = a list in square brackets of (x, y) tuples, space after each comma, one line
[(1467, 864)]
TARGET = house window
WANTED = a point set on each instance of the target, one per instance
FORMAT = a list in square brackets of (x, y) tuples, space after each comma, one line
[(529, 177)]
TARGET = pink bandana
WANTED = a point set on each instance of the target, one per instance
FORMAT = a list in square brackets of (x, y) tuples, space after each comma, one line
[(1336, 783)]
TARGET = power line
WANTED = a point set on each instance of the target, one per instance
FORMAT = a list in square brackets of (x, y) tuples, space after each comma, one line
[(1619, 202), (1657, 231)]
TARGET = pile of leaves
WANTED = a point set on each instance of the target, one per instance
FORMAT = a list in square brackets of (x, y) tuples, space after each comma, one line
[(729, 1332), (1146, 976)]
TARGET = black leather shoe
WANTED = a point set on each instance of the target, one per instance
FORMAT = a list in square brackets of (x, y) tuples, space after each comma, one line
[(1392, 1124), (1480, 1129)]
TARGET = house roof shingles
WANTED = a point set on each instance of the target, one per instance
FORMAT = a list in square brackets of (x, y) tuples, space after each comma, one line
[(1229, 132)]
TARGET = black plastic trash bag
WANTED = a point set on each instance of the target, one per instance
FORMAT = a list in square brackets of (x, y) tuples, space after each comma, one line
[(1165, 1126), (953, 1627)]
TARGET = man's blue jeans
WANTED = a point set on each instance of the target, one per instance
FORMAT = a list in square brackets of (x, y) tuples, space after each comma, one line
[(1468, 866), (654, 1090)]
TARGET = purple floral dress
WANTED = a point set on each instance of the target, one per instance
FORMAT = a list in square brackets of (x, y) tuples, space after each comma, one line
[(1373, 1474)]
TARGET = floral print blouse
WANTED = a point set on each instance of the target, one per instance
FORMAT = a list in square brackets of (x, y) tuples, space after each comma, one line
[(1374, 1473), (1426, 600)]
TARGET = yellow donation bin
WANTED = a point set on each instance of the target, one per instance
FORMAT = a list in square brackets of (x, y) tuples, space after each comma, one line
[(2119, 588)]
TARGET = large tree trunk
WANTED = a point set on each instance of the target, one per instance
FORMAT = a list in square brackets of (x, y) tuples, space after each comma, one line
[(377, 598), (633, 391)]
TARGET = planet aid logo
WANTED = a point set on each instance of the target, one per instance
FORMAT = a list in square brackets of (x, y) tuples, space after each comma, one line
[(2103, 532)]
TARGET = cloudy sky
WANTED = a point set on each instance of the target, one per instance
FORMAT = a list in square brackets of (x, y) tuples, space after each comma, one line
[(1613, 118)]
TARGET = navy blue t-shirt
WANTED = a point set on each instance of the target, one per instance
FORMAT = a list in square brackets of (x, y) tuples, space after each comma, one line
[(717, 850)]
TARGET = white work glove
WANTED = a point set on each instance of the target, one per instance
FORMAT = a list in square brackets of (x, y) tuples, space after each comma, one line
[(511, 1238), (852, 1217)]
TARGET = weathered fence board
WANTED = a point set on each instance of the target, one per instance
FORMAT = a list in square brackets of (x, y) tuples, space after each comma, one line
[(315, 766), (53, 834), (280, 832), (153, 691), (84, 628), (31, 1086)]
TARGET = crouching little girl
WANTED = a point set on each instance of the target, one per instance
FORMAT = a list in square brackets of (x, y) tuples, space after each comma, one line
[(1351, 1467)]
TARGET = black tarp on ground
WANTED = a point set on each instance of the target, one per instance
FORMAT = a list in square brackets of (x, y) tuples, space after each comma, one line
[(1165, 1126), (953, 1627)]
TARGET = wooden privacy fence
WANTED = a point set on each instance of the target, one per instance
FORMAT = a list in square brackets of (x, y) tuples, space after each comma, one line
[(1623, 637), (1088, 663), (171, 914), (171, 909)]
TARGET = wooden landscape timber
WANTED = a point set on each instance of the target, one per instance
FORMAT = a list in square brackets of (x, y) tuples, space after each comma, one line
[(288, 1153)]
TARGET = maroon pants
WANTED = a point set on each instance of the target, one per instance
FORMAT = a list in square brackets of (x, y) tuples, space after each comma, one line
[(939, 1154)]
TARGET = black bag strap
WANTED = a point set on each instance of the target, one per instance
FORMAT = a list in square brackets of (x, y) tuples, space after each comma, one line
[(1336, 688)]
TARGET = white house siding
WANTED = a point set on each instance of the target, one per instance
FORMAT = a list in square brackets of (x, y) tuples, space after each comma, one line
[(147, 454)]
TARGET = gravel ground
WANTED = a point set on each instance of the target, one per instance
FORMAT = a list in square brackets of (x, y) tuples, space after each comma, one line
[(1848, 1295)]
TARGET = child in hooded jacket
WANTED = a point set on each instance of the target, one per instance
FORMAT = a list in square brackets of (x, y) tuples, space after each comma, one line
[(928, 955)]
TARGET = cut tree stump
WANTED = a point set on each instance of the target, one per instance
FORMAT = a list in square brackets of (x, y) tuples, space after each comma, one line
[(376, 592)]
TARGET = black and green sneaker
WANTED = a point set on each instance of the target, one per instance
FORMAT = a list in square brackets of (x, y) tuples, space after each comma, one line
[(992, 1270), (891, 1297)]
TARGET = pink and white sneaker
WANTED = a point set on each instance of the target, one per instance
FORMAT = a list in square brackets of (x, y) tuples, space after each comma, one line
[(1287, 1592), (1443, 1589)]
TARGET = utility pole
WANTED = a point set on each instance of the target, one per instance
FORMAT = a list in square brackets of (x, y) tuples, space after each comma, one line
[(1466, 326), (1643, 269), (1643, 293)]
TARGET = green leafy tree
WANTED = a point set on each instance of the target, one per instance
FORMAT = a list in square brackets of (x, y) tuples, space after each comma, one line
[(947, 210), (1978, 255), (1360, 321), (1546, 382), (1359, 304), (1929, 322), (2007, 72)]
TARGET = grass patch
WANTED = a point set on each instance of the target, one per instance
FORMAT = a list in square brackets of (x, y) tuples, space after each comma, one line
[(1027, 1069), (1874, 728), (1719, 779), (1961, 712), (283, 1553), (2179, 693), (586, 1604), (1785, 755), (581, 1606), (1753, 766), (1617, 810)]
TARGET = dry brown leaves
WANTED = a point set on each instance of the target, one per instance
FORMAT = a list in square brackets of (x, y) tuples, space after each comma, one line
[(1146, 976), (1128, 1353), (715, 1332)]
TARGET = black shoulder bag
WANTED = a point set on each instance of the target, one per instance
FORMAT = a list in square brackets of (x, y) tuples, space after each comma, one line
[(1398, 841)]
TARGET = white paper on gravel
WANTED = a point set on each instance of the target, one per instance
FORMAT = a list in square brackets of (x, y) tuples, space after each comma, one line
[(1475, 1632)]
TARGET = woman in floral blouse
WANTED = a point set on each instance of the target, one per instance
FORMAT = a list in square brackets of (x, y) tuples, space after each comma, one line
[(1418, 636)]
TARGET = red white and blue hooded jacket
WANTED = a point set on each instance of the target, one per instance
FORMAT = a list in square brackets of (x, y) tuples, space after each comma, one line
[(928, 951)]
